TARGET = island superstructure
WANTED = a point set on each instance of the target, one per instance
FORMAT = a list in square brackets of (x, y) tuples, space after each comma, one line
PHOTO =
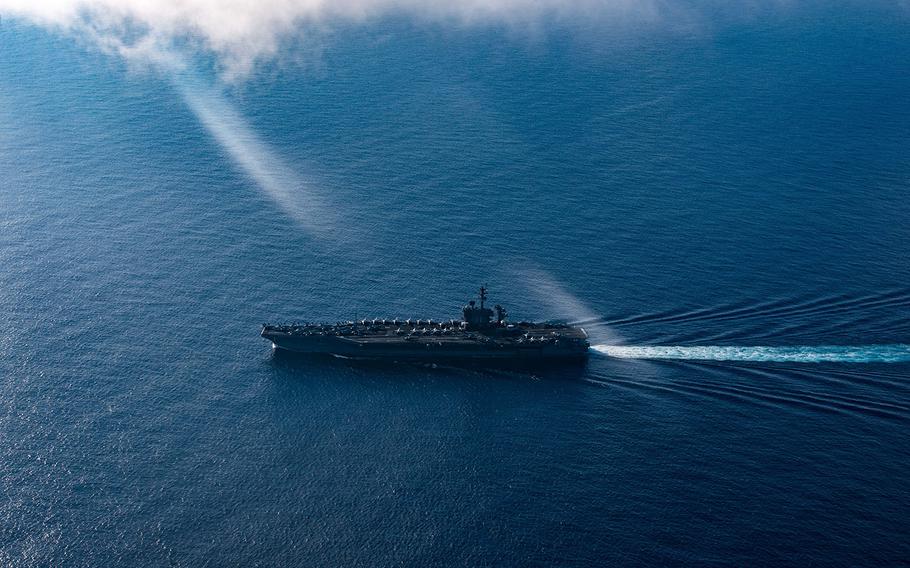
[(481, 334)]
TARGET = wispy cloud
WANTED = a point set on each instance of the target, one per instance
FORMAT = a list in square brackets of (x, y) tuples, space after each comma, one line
[(241, 33), (557, 302), (165, 35), (296, 196)]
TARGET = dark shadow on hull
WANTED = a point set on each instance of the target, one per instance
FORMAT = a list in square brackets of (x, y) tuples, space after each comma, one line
[(570, 368)]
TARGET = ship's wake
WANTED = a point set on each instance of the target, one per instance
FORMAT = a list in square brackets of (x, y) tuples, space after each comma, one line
[(894, 353)]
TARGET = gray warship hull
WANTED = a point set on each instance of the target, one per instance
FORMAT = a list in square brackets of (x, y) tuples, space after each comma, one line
[(426, 349), (476, 337)]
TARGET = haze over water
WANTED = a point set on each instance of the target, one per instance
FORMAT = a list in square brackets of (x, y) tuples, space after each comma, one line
[(693, 191)]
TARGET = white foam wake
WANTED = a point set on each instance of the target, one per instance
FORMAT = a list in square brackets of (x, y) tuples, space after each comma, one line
[(799, 354)]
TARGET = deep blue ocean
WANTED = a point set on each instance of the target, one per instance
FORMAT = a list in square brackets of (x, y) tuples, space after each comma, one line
[(736, 194)]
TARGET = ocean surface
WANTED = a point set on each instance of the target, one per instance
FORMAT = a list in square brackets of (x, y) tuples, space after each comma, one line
[(726, 206)]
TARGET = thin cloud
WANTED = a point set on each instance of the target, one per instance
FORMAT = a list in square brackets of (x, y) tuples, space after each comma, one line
[(243, 33), (297, 197)]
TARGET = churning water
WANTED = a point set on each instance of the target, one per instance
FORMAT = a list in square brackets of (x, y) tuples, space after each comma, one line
[(815, 354)]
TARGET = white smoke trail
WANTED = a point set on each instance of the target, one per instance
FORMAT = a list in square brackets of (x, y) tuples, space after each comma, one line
[(562, 304), (896, 353), (296, 196), (266, 169)]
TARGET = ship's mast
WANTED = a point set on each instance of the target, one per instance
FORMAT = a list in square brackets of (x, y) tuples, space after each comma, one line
[(478, 317)]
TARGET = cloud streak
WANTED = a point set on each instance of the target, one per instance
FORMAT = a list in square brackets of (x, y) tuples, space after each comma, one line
[(243, 33), (294, 195), (170, 35), (555, 298)]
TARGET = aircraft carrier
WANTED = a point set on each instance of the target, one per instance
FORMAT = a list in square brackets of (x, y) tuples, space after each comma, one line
[(483, 334)]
